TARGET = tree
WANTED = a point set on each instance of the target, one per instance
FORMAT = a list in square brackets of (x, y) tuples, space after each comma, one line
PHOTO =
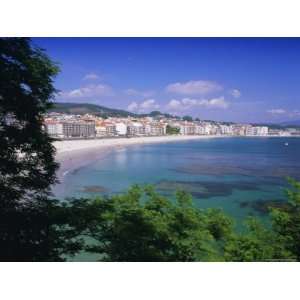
[(278, 242), (172, 130), (187, 118), (142, 225), (31, 226), (27, 165), (255, 244), (286, 222)]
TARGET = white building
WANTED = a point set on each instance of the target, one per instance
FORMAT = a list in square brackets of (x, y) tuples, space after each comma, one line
[(121, 128), (226, 129), (262, 130), (158, 129), (200, 130), (257, 130), (147, 129), (54, 129), (100, 130), (187, 128), (136, 128), (78, 129), (110, 129)]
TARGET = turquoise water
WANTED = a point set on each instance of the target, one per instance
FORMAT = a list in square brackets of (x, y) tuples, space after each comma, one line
[(239, 175)]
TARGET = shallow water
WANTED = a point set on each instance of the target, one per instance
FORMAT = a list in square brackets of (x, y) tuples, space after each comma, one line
[(236, 174)]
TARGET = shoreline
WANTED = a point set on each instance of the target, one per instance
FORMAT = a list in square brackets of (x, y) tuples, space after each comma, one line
[(73, 154), (75, 145)]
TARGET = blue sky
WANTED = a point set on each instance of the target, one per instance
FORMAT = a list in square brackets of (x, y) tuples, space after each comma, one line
[(230, 79)]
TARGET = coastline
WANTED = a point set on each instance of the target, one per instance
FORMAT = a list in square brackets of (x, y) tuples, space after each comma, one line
[(75, 145), (73, 154)]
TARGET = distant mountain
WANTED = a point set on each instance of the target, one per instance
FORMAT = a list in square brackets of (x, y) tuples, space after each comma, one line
[(86, 108), (291, 123), (102, 111), (283, 125)]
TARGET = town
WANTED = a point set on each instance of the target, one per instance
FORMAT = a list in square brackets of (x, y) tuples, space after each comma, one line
[(72, 126)]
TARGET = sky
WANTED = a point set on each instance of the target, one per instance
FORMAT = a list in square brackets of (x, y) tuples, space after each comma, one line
[(223, 79)]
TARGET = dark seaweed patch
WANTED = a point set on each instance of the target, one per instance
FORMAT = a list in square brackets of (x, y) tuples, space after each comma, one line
[(205, 189), (245, 170), (94, 189), (263, 206)]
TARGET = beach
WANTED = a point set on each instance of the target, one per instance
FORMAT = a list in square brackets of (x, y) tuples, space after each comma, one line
[(73, 154), (76, 145), (237, 174)]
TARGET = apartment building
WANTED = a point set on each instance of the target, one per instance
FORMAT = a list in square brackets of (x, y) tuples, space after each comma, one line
[(187, 128), (110, 129), (54, 128), (158, 129), (136, 128), (121, 129), (79, 129), (199, 129), (257, 130)]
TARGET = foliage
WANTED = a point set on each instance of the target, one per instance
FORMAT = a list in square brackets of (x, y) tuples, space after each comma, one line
[(280, 242), (172, 130), (30, 226), (253, 245), (187, 118), (140, 225), (87, 108), (286, 221), (99, 110), (27, 167)]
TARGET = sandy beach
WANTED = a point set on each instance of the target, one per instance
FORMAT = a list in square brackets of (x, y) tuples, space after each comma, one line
[(74, 154), (75, 145)]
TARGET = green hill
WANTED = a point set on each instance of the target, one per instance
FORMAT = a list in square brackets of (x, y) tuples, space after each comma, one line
[(291, 123), (86, 108)]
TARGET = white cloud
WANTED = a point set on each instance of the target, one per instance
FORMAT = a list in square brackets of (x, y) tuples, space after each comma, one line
[(194, 87), (149, 104), (88, 91), (217, 103), (145, 106), (91, 76), (277, 111), (134, 92), (174, 104), (188, 104), (235, 93), (133, 106)]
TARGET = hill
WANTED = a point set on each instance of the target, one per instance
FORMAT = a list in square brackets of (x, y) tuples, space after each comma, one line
[(281, 126), (87, 108), (291, 123)]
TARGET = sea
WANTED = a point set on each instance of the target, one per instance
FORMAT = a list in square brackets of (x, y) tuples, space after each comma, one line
[(244, 176)]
